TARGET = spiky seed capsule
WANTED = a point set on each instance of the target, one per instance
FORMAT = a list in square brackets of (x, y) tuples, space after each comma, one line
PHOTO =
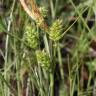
[(31, 36), (56, 30), (43, 59)]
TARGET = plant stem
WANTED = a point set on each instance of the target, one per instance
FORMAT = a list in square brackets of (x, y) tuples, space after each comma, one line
[(60, 61), (52, 9), (51, 73), (51, 84), (46, 44)]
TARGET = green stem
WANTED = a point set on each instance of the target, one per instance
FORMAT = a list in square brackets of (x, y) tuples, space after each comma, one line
[(60, 61), (78, 76), (89, 80), (46, 44), (52, 9), (18, 77), (51, 84), (51, 74), (53, 13)]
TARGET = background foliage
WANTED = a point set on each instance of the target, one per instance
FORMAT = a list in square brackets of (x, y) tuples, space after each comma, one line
[(60, 62)]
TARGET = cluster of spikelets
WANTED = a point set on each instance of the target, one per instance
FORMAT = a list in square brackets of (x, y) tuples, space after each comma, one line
[(41, 21), (43, 11), (43, 59), (31, 36), (56, 30)]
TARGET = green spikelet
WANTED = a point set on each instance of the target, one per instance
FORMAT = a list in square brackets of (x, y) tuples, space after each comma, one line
[(43, 11), (43, 59), (31, 36), (39, 21), (56, 30)]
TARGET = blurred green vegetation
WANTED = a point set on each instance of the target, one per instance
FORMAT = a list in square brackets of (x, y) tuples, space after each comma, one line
[(58, 63)]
